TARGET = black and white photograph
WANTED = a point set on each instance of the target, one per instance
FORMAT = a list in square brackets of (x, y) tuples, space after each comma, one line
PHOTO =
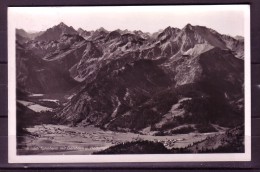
[(129, 83)]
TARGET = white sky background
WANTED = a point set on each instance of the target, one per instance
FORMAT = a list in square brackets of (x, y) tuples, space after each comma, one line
[(226, 19)]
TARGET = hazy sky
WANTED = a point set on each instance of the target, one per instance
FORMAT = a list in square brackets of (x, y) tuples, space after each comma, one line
[(227, 19)]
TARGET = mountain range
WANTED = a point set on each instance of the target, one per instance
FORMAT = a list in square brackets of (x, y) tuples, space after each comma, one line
[(168, 81)]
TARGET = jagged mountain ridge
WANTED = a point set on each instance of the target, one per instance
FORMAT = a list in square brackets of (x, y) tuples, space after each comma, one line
[(121, 99), (194, 57), (55, 32)]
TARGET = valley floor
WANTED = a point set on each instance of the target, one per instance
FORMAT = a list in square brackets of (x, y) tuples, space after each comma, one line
[(50, 139)]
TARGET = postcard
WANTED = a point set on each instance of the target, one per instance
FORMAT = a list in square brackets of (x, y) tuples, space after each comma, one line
[(129, 84)]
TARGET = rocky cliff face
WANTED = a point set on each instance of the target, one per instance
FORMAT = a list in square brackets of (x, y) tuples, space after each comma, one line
[(135, 81)]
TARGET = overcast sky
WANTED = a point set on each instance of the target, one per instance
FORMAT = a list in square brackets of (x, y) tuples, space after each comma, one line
[(224, 19)]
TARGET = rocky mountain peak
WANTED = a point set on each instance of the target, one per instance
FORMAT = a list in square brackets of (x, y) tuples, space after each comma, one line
[(188, 27), (171, 30), (113, 35), (64, 27), (21, 32), (168, 33), (62, 24), (240, 38), (55, 32), (101, 29), (80, 30)]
